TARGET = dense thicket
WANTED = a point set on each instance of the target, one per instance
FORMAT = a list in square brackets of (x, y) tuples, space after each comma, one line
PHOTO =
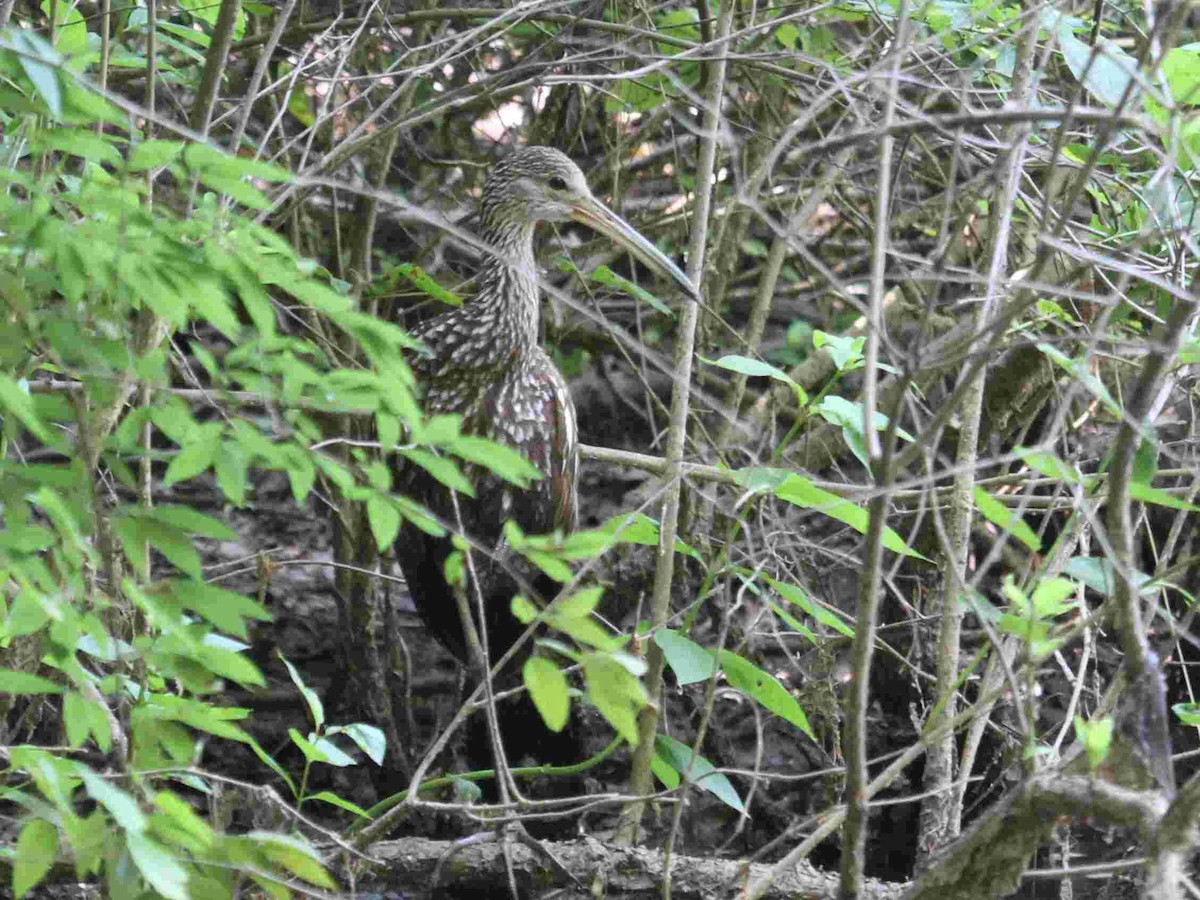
[(920, 466)]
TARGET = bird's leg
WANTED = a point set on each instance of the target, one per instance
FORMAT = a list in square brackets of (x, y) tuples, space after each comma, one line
[(477, 651), (478, 658)]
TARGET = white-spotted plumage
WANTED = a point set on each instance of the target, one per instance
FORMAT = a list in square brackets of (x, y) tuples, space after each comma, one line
[(488, 367)]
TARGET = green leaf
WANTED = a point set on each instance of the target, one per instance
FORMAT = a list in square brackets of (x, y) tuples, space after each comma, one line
[(428, 285), (1145, 460), (210, 302), (195, 457), (120, 804), (270, 763), (579, 605), (577, 621), (523, 609), (300, 105), (699, 771), (384, 519), (227, 610), (756, 368), (606, 276), (16, 400), (176, 546), (214, 720), (301, 472), (26, 539), (71, 36), (1187, 713), (548, 687), (1096, 737), (39, 60), (370, 740), (1097, 573), (237, 190), (466, 792), (81, 143), (387, 426), (1147, 494), (191, 35), (1050, 597), (1014, 594), (26, 683), (454, 569), (793, 623), (161, 868), (37, 847), (763, 688), (153, 154), (1079, 370), (294, 855), (230, 664), (690, 662), (438, 430), (1181, 69), (76, 718), (315, 707), (664, 772), (1050, 465), (26, 615), (332, 753), (613, 690), (636, 94), (311, 752), (800, 491), (679, 23), (849, 416), (184, 819), (99, 725), (1106, 70), (1034, 632), (208, 161), (1006, 520), (335, 800), (497, 458), (638, 528), (86, 836), (844, 350), (441, 468), (187, 519), (796, 595)]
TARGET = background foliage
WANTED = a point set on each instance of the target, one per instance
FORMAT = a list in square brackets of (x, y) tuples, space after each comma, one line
[(938, 534)]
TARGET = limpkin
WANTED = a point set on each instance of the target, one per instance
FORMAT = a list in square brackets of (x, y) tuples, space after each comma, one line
[(488, 367)]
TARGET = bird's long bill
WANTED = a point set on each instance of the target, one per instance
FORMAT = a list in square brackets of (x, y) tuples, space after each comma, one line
[(599, 217)]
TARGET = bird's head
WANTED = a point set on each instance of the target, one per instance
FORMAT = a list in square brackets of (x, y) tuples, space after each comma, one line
[(541, 184)]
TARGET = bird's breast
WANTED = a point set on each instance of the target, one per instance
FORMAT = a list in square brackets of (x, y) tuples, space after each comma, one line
[(523, 404), (526, 405)]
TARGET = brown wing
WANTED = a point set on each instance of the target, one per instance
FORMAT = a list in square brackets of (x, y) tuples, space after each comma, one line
[(533, 413), (564, 459)]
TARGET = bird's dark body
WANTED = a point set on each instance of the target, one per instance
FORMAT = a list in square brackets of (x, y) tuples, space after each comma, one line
[(541, 425), (487, 366)]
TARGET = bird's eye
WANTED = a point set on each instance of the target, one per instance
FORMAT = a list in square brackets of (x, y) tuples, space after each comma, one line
[(557, 182)]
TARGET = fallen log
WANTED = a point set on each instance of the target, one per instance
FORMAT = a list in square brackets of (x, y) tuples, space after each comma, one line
[(630, 873)]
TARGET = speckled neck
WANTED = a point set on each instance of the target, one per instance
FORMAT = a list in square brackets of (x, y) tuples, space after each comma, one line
[(507, 306)]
